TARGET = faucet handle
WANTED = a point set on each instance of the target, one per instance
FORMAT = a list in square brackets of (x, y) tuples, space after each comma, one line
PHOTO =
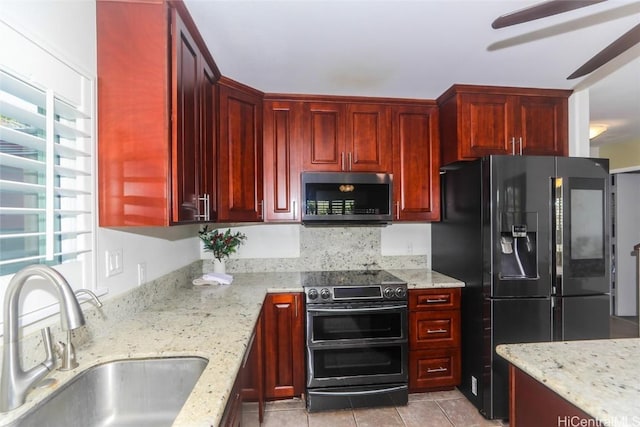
[(67, 353), (48, 348)]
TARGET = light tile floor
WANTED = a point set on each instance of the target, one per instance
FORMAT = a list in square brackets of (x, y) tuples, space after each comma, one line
[(436, 409)]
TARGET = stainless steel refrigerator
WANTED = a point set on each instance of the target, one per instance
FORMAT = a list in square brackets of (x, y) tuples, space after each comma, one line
[(529, 235)]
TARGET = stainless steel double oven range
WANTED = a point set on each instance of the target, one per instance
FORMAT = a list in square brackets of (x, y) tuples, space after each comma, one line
[(356, 339)]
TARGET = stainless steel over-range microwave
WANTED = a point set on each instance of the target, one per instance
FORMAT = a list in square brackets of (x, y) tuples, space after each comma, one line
[(348, 198)]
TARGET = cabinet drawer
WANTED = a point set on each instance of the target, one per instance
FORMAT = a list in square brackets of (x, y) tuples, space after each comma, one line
[(434, 329), (434, 369), (434, 299)]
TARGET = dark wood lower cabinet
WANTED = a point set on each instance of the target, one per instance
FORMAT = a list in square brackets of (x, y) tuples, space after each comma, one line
[(434, 339), (248, 388), (431, 370), (532, 404), (284, 370), (273, 365)]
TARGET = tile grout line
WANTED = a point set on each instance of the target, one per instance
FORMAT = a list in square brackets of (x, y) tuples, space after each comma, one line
[(445, 413)]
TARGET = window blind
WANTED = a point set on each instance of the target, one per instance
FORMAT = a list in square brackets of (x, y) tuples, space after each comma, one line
[(45, 176)]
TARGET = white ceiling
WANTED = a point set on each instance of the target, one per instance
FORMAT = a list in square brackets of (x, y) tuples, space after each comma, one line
[(419, 48)]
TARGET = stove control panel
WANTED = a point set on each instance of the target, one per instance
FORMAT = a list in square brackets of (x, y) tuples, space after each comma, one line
[(320, 295)]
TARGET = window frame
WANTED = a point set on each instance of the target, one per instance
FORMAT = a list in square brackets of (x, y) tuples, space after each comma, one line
[(38, 301)]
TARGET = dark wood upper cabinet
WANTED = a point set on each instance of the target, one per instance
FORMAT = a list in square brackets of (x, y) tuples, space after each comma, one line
[(368, 138), (344, 136), (477, 121), (323, 136), (416, 162), (544, 124), (282, 146), (208, 149), (193, 127), (152, 89), (240, 195)]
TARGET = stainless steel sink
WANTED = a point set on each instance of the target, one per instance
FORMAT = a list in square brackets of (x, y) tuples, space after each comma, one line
[(133, 392)]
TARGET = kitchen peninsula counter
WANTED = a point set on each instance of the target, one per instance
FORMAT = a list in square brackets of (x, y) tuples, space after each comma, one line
[(599, 377), (211, 321)]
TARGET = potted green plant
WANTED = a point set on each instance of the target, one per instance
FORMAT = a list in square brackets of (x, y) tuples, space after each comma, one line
[(221, 244)]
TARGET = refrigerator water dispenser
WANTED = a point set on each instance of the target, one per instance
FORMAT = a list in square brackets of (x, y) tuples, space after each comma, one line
[(518, 248)]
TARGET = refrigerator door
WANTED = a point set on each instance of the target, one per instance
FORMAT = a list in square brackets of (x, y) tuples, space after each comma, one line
[(515, 320), (581, 222), (517, 204), (581, 318)]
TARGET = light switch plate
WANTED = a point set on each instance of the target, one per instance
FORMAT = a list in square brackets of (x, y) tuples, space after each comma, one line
[(142, 273), (114, 262)]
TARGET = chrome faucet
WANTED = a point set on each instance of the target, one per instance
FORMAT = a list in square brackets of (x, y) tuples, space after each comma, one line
[(15, 382)]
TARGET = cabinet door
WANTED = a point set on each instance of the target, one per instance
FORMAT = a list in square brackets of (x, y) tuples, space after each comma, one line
[(252, 372), (185, 169), (282, 143), (486, 124), (542, 124), (368, 138), (284, 345), (207, 154), (416, 158), (133, 120), (324, 137), (240, 156)]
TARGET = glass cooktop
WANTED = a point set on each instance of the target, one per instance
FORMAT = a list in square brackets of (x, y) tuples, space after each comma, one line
[(349, 278)]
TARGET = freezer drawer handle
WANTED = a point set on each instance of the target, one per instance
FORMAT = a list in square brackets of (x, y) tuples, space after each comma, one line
[(431, 371), (436, 331)]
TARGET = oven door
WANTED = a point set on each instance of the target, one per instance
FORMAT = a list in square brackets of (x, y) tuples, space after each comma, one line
[(349, 323), (356, 344), (361, 364)]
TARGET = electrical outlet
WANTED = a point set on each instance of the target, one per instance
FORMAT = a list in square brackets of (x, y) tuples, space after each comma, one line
[(114, 262), (474, 385), (142, 273)]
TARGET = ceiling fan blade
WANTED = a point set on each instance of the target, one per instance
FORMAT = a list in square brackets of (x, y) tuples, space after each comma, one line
[(624, 42), (541, 10)]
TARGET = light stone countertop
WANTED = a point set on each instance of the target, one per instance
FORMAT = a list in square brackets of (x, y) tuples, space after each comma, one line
[(601, 377), (213, 322)]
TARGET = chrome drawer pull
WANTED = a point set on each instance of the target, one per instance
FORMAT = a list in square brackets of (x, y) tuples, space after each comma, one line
[(432, 301), (430, 371), (436, 331)]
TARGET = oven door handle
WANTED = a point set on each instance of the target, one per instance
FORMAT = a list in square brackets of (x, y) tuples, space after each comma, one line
[(359, 393), (356, 310)]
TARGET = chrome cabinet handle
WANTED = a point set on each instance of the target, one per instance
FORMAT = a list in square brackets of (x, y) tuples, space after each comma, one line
[(513, 146), (342, 160), (397, 210), (205, 201), (431, 371), (350, 160), (520, 139), (435, 301), (436, 331), (293, 209)]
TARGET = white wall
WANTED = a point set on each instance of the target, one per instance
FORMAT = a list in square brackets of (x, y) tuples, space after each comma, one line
[(627, 217), (579, 124), (67, 28)]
